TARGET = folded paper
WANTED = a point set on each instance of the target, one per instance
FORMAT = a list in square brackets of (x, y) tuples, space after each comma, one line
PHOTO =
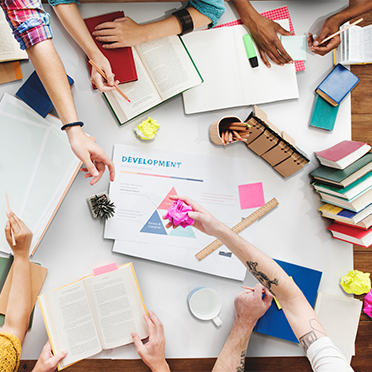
[(178, 214), (356, 282), (147, 129), (368, 304)]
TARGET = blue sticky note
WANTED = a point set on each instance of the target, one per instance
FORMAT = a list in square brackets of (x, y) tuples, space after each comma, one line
[(273, 322), (295, 46)]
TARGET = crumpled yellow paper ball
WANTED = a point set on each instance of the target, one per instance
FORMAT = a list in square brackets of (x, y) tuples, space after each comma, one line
[(356, 282), (147, 129)]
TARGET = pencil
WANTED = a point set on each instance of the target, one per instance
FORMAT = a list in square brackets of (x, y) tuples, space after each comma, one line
[(339, 32), (11, 230), (237, 135), (233, 127), (104, 76), (249, 288), (230, 137), (223, 138)]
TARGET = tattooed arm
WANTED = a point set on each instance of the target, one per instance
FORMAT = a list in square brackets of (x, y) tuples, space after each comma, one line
[(298, 311), (249, 307)]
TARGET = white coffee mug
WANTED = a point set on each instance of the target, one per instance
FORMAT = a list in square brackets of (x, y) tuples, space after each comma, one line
[(205, 304)]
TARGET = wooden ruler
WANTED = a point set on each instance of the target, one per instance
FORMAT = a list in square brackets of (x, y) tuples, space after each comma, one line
[(239, 227)]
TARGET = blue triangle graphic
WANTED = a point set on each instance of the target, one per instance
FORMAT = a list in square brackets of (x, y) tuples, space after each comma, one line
[(186, 232), (154, 225)]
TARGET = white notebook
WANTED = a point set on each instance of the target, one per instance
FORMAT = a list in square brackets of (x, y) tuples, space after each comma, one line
[(229, 79), (340, 318)]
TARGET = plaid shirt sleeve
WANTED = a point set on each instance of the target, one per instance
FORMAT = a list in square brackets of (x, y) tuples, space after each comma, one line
[(28, 20)]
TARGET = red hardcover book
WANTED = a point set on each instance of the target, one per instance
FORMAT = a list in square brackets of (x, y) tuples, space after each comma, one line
[(351, 235), (121, 59), (343, 154)]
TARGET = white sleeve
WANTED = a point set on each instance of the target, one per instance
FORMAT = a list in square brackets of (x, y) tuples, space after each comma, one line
[(325, 357)]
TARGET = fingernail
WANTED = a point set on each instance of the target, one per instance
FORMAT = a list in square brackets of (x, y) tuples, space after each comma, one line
[(316, 43), (7, 224), (64, 352), (95, 173), (7, 213)]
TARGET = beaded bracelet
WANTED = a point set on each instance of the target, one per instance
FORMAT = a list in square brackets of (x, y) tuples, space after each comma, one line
[(72, 124), (186, 21)]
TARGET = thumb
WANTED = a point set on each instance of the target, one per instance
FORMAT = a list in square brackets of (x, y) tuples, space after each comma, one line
[(284, 32), (320, 38), (91, 168), (58, 357), (110, 76), (137, 341)]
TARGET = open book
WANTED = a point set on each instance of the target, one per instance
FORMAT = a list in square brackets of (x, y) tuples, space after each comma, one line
[(355, 47), (94, 313), (164, 69)]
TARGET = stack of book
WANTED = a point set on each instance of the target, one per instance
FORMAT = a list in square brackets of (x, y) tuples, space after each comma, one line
[(329, 94), (344, 182)]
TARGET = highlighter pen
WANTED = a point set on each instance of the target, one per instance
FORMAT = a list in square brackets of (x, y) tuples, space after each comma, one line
[(251, 52)]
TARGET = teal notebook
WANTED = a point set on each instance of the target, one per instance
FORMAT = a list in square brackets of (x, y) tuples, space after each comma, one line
[(358, 187), (324, 115), (344, 177)]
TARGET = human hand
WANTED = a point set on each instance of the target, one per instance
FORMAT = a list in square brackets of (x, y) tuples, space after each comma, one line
[(102, 84), (264, 32), (47, 362), (203, 220), (152, 352), (122, 32), (250, 306), (90, 154), (22, 235), (330, 26)]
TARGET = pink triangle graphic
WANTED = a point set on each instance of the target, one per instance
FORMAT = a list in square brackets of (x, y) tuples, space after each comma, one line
[(166, 203)]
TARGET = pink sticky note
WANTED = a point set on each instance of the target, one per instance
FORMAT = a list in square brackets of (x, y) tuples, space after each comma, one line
[(105, 269), (251, 195)]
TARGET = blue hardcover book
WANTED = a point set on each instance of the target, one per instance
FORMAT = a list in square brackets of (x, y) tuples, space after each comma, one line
[(337, 85), (324, 115), (34, 94), (273, 322)]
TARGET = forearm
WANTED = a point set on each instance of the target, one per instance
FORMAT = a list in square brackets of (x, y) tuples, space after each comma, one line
[(356, 9), (53, 76), (246, 11), (72, 21), (172, 26), (232, 356), (19, 302)]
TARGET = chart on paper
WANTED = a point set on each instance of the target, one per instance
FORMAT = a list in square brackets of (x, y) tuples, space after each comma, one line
[(146, 178)]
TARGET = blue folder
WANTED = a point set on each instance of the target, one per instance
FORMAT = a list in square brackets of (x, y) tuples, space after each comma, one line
[(273, 322)]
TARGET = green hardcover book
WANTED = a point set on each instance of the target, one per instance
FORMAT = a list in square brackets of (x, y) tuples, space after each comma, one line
[(323, 115), (358, 187), (343, 177)]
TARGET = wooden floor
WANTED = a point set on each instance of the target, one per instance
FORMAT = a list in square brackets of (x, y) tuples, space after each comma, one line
[(361, 108)]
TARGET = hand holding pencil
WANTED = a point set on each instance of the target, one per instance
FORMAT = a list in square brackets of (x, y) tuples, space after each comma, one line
[(21, 233), (104, 76)]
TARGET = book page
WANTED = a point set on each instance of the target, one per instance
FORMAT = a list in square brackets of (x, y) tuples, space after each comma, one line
[(117, 307), (169, 65), (70, 323), (9, 46), (142, 94), (367, 43), (356, 44)]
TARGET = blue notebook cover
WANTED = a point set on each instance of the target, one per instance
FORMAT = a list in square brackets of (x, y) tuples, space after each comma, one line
[(337, 84), (34, 94), (274, 323), (324, 115)]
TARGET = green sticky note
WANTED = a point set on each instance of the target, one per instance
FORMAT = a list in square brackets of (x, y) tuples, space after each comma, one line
[(295, 46)]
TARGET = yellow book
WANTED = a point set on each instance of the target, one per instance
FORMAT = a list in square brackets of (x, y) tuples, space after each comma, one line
[(94, 313)]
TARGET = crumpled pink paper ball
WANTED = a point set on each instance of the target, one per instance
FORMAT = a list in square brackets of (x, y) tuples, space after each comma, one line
[(368, 304), (178, 214)]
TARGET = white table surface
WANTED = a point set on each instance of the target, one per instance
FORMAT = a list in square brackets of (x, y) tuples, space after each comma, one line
[(294, 232)]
